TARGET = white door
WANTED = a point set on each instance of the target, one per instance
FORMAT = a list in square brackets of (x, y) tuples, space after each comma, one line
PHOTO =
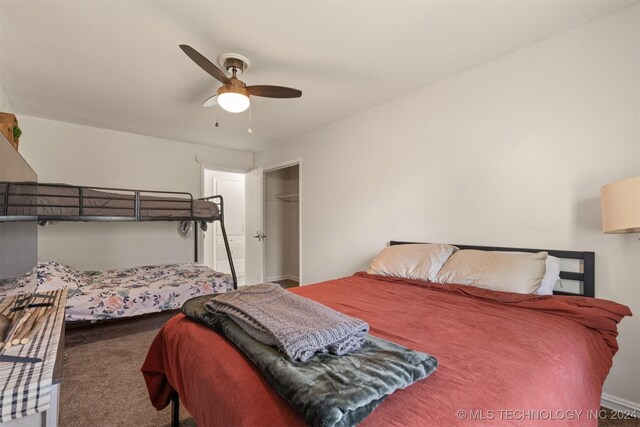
[(254, 234), (231, 187), (233, 193)]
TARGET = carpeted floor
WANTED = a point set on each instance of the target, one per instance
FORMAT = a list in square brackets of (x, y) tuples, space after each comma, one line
[(103, 385), (619, 419), (287, 283)]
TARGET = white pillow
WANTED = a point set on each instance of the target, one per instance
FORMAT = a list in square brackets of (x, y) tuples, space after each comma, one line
[(412, 261), (551, 275), (497, 271)]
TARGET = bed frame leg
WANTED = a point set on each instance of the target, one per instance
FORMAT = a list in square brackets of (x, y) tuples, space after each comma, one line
[(195, 241), (229, 257), (175, 410)]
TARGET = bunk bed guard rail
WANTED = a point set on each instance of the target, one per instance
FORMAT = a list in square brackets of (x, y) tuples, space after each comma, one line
[(62, 202), (59, 202), (219, 200)]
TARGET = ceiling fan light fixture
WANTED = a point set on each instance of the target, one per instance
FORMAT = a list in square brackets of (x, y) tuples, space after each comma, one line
[(233, 96), (233, 99)]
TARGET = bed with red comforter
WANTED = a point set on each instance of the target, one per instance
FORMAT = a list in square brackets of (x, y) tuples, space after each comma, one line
[(504, 358)]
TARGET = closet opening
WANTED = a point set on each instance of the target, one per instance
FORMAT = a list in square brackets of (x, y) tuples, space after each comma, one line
[(230, 186), (282, 226)]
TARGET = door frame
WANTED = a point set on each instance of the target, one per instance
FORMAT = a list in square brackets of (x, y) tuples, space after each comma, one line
[(282, 165)]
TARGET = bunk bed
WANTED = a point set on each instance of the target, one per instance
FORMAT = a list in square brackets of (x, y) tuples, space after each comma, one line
[(124, 292)]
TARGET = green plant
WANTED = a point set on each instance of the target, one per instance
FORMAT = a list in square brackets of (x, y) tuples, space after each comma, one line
[(16, 132)]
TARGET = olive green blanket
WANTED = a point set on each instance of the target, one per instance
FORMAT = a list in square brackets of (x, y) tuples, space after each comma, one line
[(328, 390)]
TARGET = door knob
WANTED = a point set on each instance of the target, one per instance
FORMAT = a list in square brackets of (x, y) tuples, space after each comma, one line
[(260, 236)]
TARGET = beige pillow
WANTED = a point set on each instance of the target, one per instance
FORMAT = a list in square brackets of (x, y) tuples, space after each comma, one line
[(411, 261), (508, 272)]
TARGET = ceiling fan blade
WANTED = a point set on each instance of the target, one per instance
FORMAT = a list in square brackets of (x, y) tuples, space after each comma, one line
[(210, 101), (274, 91), (204, 63)]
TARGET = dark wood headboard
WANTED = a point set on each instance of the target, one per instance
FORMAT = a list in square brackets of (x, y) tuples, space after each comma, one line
[(587, 276)]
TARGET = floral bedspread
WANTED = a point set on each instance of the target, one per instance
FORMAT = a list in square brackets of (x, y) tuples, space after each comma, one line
[(95, 295), (16, 285)]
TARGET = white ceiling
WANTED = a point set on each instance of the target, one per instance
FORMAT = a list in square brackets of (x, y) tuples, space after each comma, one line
[(117, 65)]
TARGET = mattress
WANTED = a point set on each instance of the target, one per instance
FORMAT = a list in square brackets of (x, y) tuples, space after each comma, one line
[(61, 200), (23, 204), (98, 295), (503, 358)]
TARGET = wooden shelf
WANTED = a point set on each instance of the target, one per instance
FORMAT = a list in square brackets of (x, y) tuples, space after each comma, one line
[(289, 197)]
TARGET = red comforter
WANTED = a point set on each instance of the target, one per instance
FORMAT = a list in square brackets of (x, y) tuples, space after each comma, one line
[(503, 358)]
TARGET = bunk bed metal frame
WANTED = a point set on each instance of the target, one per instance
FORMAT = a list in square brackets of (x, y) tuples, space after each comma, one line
[(29, 210), (172, 200)]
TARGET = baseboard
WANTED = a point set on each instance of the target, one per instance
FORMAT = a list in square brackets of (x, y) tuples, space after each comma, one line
[(284, 277), (619, 404)]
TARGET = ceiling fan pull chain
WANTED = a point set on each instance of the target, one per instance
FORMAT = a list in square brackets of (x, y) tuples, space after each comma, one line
[(217, 124), (250, 130)]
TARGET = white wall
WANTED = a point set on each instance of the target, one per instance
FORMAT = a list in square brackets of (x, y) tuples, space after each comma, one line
[(73, 154), (510, 153), (5, 102)]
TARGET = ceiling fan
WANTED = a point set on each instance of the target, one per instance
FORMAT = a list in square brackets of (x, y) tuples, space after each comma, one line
[(233, 95)]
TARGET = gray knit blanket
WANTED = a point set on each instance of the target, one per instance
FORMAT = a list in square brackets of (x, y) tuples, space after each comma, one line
[(296, 326), (328, 390)]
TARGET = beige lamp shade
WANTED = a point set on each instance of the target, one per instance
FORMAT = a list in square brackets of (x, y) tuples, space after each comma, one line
[(621, 206)]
